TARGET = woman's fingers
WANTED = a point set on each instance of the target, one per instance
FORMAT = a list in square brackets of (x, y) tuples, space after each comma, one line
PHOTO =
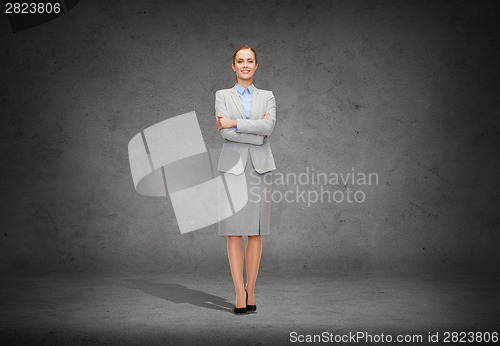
[(266, 115), (226, 122), (222, 122)]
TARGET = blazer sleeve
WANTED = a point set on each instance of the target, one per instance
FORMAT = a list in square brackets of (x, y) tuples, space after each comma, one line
[(231, 134), (260, 126)]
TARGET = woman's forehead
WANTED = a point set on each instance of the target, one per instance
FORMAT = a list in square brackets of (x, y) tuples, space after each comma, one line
[(245, 54)]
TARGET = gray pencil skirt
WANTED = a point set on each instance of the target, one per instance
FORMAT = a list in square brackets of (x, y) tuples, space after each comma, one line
[(255, 217)]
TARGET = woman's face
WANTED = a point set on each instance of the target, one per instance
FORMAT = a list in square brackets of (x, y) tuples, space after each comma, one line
[(244, 64)]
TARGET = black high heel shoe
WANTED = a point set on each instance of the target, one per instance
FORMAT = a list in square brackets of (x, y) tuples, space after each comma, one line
[(250, 307), (241, 310)]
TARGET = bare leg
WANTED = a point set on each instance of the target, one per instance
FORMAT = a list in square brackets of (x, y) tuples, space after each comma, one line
[(236, 258), (253, 254)]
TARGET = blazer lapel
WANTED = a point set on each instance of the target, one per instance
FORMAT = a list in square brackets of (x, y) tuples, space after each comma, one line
[(237, 102), (255, 102)]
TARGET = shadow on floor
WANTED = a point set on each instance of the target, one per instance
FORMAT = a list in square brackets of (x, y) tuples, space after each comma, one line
[(176, 293)]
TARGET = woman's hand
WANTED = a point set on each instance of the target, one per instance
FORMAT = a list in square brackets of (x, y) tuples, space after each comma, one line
[(225, 123)]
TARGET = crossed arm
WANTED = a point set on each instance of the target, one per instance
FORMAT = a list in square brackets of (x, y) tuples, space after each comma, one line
[(250, 131)]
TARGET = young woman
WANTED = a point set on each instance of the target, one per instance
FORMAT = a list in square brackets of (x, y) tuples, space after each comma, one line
[(245, 118)]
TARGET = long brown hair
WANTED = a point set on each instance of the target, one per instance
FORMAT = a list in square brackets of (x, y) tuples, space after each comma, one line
[(236, 52)]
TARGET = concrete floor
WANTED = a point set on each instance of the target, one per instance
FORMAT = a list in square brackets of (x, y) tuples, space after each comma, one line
[(193, 308)]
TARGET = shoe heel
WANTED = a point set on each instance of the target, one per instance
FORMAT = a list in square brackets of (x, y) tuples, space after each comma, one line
[(249, 307), (238, 311)]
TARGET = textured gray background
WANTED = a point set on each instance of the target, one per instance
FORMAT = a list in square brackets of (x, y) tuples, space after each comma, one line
[(408, 90)]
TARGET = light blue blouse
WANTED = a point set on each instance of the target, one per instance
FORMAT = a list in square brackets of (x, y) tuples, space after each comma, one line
[(246, 99)]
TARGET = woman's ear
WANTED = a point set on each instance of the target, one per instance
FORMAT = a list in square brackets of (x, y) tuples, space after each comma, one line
[(234, 69)]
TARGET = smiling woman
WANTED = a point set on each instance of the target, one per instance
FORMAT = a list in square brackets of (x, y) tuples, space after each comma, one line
[(245, 65), (246, 117)]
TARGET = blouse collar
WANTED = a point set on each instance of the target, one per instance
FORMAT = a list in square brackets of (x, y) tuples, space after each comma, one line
[(241, 90)]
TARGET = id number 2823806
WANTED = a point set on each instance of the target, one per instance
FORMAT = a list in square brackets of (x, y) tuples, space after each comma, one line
[(32, 7)]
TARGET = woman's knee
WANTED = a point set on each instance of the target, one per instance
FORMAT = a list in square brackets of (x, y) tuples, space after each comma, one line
[(232, 238)]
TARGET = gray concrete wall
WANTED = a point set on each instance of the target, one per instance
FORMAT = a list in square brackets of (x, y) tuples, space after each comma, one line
[(407, 90)]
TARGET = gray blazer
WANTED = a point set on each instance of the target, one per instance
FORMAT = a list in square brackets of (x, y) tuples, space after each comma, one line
[(249, 138)]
